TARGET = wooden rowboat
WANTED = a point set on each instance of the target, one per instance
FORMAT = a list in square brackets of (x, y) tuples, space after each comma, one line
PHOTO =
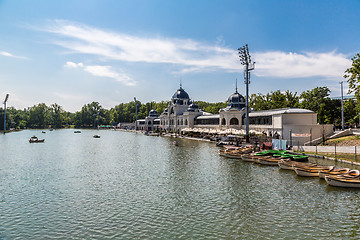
[(350, 179), (333, 172), (309, 171)]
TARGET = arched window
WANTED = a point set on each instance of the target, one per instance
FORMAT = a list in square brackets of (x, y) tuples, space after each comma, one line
[(234, 121), (223, 121), (181, 122), (186, 122), (149, 122)]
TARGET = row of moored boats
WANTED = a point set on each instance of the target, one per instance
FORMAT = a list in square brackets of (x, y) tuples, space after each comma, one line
[(339, 177)]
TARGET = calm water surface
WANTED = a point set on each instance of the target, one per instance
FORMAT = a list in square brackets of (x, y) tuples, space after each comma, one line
[(130, 186)]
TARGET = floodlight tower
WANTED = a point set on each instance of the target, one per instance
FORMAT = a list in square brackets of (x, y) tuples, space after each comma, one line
[(135, 113), (6, 98), (245, 60)]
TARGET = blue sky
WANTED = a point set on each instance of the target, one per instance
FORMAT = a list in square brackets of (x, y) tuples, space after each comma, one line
[(75, 52)]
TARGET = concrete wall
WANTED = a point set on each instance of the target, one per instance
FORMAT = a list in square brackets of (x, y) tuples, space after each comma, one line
[(328, 149), (300, 119)]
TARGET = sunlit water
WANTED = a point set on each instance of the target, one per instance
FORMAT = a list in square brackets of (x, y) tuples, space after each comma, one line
[(131, 186)]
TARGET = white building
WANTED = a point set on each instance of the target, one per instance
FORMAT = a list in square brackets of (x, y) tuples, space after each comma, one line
[(294, 124)]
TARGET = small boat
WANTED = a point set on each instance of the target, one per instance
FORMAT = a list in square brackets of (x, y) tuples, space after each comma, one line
[(34, 139), (268, 161), (333, 172), (77, 131), (350, 179), (309, 171), (43, 132), (248, 157), (96, 136)]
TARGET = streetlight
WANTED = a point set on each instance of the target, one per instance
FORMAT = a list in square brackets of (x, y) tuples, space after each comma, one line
[(245, 59), (6, 98), (135, 113)]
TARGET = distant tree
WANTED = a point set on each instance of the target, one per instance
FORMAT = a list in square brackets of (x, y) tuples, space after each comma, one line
[(39, 116), (274, 100)]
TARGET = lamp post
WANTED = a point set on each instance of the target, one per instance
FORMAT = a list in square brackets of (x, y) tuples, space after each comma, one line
[(6, 98), (245, 60), (342, 106), (135, 113)]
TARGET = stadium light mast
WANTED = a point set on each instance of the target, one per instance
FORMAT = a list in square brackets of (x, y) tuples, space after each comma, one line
[(6, 98), (135, 113), (245, 60)]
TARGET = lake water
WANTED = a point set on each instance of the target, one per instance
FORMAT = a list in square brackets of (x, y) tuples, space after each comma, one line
[(131, 186)]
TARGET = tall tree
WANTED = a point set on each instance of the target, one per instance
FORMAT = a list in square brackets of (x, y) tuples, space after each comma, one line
[(353, 76)]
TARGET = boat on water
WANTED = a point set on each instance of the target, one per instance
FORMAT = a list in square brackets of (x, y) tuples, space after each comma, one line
[(77, 131), (269, 161), (96, 136), (350, 179), (333, 172), (288, 164), (248, 157), (34, 139), (310, 171)]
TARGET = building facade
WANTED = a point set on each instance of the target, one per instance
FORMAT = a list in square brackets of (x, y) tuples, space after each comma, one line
[(293, 124)]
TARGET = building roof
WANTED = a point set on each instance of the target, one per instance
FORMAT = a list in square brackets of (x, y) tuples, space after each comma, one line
[(280, 111), (180, 94), (208, 116)]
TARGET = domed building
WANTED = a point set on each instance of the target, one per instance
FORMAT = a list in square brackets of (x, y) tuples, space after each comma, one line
[(292, 124), (232, 116), (180, 112)]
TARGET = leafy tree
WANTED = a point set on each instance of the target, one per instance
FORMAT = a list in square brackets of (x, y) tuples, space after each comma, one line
[(39, 116), (353, 76)]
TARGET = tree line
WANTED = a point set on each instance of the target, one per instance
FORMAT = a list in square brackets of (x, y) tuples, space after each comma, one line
[(93, 114)]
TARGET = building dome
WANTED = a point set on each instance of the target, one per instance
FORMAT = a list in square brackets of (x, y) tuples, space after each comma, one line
[(180, 94), (236, 100), (153, 113), (193, 107)]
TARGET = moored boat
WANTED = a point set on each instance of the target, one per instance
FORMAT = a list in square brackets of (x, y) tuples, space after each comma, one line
[(350, 179), (309, 171), (268, 161), (248, 157), (333, 172)]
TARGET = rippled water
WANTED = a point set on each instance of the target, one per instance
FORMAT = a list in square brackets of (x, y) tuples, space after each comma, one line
[(131, 186)]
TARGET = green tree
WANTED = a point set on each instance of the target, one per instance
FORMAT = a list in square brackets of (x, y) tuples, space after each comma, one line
[(353, 76), (39, 116)]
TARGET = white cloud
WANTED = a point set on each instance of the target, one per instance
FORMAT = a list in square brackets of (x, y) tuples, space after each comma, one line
[(107, 71), (74, 65), (191, 55), (7, 54), (103, 71), (292, 65)]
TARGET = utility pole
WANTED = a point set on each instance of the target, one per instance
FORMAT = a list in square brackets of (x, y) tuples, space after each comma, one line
[(6, 98), (245, 60), (135, 113), (342, 106)]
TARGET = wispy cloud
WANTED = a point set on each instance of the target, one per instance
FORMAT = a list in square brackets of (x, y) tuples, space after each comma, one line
[(7, 54), (189, 55), (104, 71), (293, 65)]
